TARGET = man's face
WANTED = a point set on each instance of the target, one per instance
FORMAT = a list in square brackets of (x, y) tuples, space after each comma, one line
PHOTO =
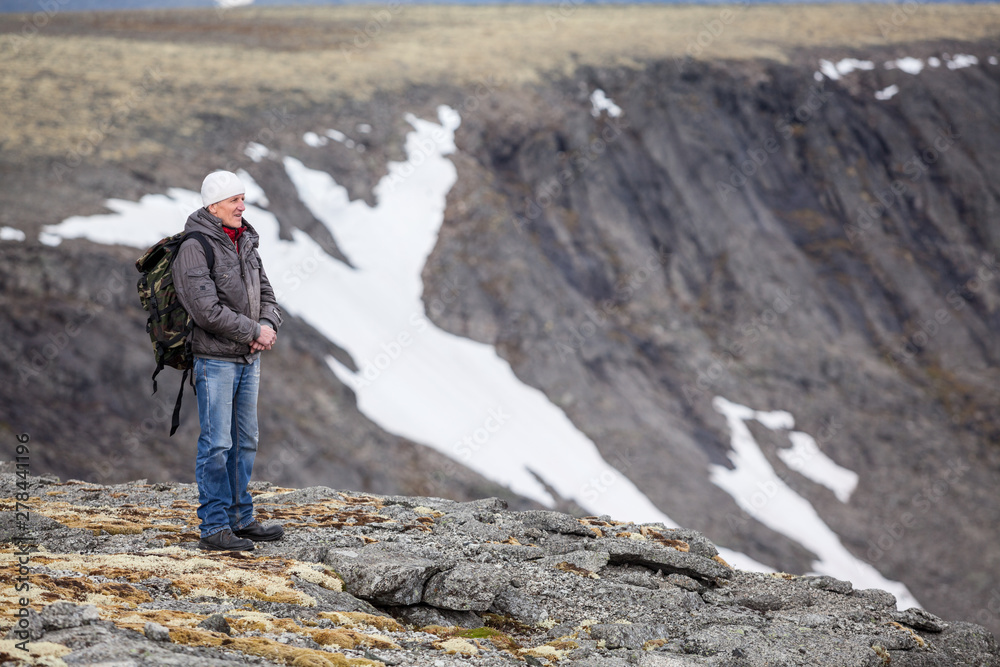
[(230, 211)]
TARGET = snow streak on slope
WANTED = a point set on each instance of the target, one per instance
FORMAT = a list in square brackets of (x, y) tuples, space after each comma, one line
[(805, 458), (415, 380), (418, 381), (758, 491), (139, 224), (837, 70)]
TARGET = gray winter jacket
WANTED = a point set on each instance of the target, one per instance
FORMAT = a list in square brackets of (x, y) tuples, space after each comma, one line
[(230, 301)]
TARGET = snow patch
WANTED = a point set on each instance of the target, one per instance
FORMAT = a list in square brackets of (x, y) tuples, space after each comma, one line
[(908, 65), (314, 140), (848, 65), (340, 137), (805, 458), (887, 93), (775, 420), (962, 60), (49, 239), (829, 70), (137, 224), (757, 490), (601, 102), (256, 152), (834, 71), (11, 234)]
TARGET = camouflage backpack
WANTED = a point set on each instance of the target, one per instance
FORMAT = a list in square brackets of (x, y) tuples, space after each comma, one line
[(169, 326)]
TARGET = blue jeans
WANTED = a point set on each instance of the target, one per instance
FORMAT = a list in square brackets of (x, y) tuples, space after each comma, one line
[(227, 410)]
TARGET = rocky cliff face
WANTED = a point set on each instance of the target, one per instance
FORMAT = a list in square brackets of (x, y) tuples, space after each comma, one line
[(740, 229), (749, 232), (363, 579)]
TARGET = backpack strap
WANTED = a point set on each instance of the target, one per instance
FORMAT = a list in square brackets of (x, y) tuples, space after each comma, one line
[(188, 373), (207, 247), (186, 334), (175, 419)]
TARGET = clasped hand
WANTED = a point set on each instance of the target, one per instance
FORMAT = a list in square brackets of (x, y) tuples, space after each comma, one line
[(265, 340)]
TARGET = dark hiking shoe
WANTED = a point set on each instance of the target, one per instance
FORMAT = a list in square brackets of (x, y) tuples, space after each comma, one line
[(224, 540), (259, 533)]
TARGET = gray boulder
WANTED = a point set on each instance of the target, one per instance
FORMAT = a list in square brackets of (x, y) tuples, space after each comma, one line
[(553, 522), (513, 602), (385, 577), (630, 635), (663, 558), (465, 587), (156, 632)]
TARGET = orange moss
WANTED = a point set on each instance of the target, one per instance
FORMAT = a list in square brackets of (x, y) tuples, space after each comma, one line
[(123, 520), (281, 596), (361, 500), (680, 545), (910, 631), (192, 637), (268, 649), (358, 618), (78, 589), (285, 625), (117, 528), (245, 625), (123, 592), (341, 638), (596, 521), (576, 569), (137, 619)]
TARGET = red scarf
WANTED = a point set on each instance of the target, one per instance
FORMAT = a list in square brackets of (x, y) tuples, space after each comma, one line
[(235, 234)]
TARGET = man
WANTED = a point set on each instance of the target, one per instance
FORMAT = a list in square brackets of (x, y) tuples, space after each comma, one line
[(236, 318)]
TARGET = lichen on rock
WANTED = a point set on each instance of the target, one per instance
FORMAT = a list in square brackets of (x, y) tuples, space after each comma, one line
[(357, 579)]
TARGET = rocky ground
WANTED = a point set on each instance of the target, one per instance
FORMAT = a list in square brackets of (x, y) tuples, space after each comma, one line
[(114, 576)]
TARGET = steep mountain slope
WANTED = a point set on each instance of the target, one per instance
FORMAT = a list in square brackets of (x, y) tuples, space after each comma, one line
[(744, 229), (848, 278)]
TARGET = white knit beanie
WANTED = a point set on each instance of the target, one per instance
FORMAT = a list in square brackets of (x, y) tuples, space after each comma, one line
[(220, 185)]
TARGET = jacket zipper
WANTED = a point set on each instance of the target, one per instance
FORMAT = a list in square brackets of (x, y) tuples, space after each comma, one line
[(243, 274), (243, 279)]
